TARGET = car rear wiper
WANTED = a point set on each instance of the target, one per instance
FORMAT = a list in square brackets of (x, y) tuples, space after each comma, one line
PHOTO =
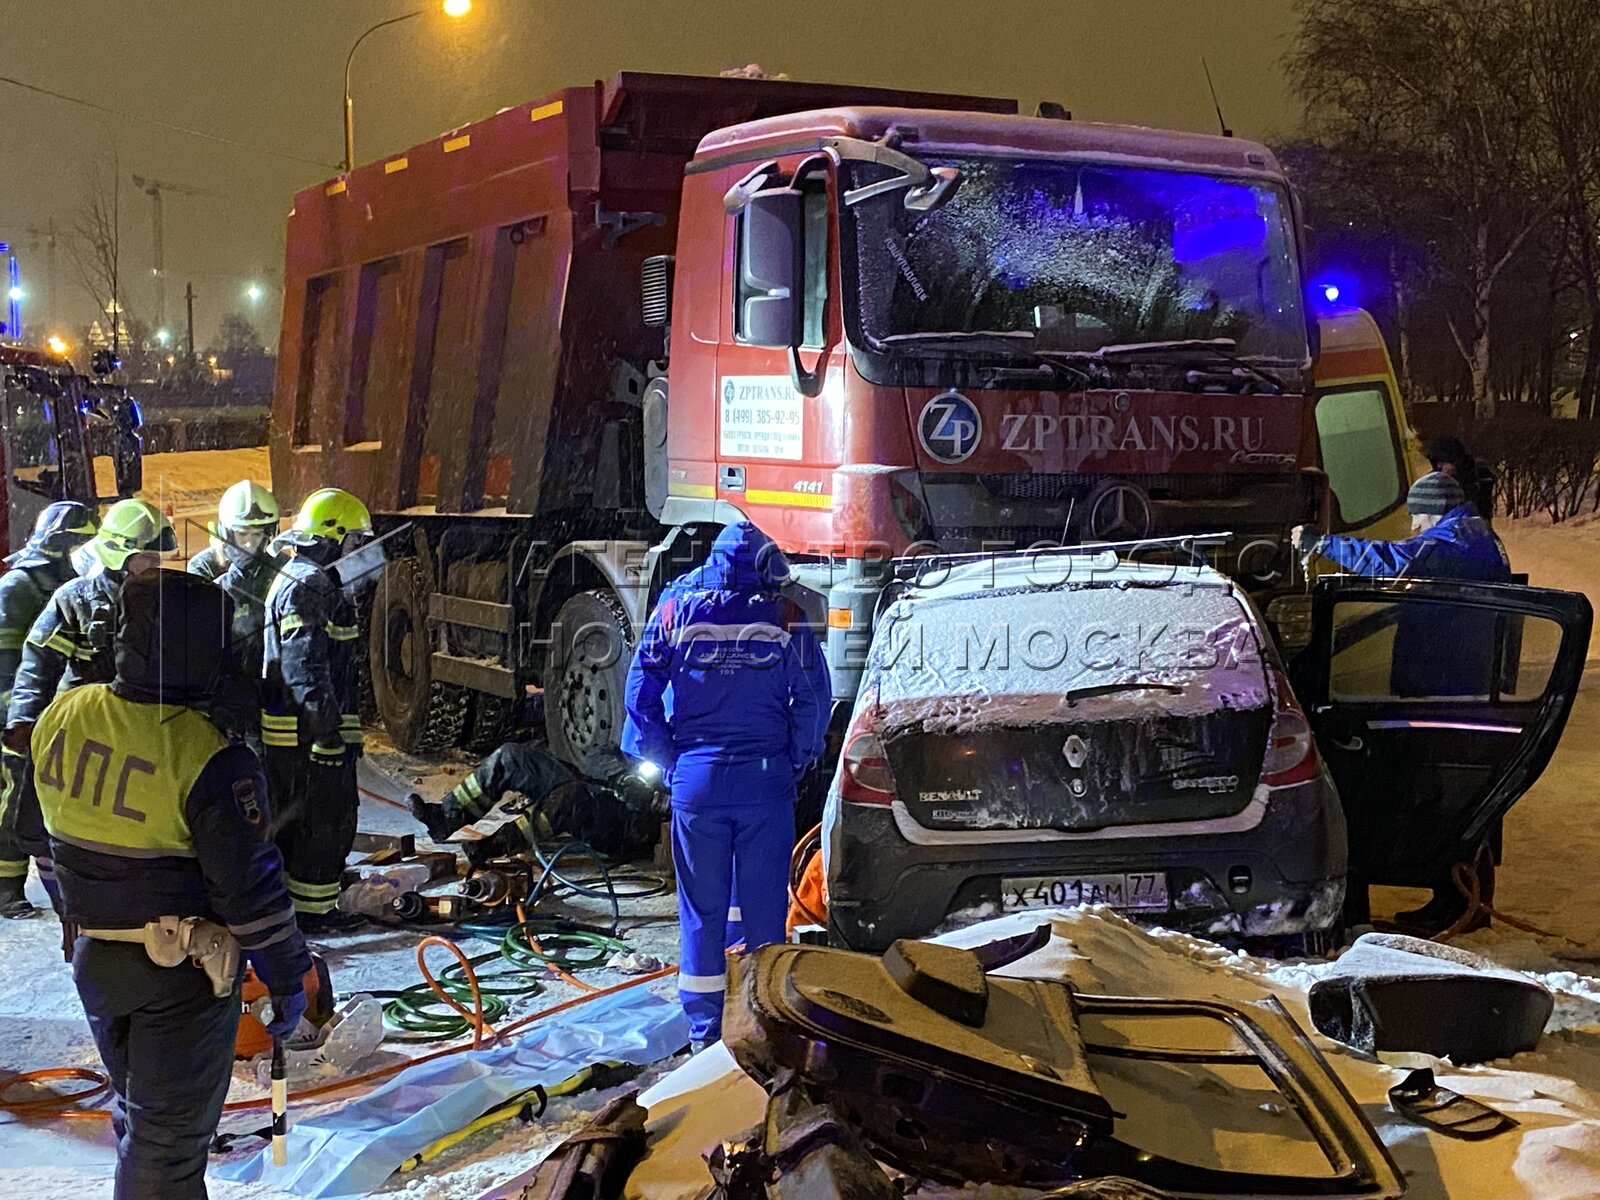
[(1111, 689)]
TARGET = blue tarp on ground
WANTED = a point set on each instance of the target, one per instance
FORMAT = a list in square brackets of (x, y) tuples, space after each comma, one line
[(353, 1149)]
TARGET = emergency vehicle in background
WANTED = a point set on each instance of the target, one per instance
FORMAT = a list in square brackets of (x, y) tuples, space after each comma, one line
[(54, 424), (899, 322)]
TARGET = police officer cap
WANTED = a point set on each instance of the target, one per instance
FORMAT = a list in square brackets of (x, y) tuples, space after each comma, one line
[(172, 637)]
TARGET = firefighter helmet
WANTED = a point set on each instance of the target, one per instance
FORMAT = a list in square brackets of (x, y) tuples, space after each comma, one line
[(246, 505), (60, 529), (130, 527), (329, 514)]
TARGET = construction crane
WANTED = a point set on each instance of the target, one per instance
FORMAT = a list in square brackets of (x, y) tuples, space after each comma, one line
[(154, 189)]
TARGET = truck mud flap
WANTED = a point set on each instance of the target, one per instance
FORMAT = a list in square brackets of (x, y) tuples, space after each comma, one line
[(951, 1075)]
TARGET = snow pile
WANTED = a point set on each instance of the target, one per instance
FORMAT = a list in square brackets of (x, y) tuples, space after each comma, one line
[(1553, 1092)]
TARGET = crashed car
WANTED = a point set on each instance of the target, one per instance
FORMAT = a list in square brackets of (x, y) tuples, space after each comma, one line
[(1038, 730)]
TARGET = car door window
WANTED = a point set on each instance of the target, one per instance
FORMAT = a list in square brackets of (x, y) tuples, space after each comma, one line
[(1416, 652), (1360, 453)]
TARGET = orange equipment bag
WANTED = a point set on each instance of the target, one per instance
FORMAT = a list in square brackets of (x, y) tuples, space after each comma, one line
[(253, 1038)]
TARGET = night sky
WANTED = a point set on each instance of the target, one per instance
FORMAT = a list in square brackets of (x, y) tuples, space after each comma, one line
[(268, 72)]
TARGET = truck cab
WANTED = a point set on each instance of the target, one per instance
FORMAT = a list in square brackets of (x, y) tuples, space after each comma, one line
[(903, 331)]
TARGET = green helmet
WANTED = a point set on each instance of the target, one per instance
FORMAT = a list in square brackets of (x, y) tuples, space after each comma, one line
[(329, 514), (246, 505), (128, 528)]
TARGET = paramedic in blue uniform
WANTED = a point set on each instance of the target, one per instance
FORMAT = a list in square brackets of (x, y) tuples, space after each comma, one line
[(159, 828), (747, 713)]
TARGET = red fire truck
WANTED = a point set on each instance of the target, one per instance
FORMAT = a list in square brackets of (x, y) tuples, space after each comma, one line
[(874, 323)]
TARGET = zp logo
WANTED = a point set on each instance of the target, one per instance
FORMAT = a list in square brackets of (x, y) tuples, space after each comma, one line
[(950, 427)]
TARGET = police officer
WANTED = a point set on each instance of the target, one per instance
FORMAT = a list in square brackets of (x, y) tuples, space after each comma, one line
[(41, 566), (241, 560), (310, 719), (750, 703), (70, 644), (158, 825)]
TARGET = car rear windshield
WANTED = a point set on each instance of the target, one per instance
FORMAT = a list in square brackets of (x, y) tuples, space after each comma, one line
[(1026, 656)]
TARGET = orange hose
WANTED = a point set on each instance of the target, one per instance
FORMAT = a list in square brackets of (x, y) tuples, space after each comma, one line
[(56, 1104), (383, 799), (473, 1018), (533, 943), (325, 1089)]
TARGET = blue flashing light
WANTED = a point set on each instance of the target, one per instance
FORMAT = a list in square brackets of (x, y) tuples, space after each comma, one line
[(1333, 293), (138, 415)]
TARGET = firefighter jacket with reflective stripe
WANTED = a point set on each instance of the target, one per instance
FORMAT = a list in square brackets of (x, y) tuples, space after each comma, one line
[(152, 812), (69, 644), (24, 591), (309, 669)]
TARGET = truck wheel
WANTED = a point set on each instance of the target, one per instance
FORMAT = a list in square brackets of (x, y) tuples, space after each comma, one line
[(585, 674), (420, 714)]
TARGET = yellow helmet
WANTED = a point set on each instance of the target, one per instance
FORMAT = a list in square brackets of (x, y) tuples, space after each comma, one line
[(246, 505), (329, 514), (129, 527)]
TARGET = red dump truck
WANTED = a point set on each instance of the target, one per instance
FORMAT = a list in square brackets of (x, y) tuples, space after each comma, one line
[(557, 349)]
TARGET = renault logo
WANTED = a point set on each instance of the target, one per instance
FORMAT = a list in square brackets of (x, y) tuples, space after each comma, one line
[(1118, 512)]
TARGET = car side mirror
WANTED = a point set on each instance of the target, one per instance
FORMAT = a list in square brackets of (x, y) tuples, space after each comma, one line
[(770, 265)]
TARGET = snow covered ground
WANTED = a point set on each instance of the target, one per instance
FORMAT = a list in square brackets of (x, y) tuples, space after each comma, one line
[(1549, 878)]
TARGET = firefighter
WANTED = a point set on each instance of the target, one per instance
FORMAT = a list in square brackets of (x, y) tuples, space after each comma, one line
[(310, 720), (41, 566), (749, 711), (240, 559), (609, 807), (157, 823), (70, 644)]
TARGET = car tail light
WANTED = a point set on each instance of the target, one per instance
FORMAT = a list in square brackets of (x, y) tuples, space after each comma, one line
[(1291, 755), (865, 777)]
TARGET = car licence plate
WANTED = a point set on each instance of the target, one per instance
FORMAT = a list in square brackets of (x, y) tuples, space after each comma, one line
[(1133, 891)]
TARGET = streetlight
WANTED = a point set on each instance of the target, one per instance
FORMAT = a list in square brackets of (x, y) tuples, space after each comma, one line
[(253, 293), (15, 293), (451, 8), (164, 337)]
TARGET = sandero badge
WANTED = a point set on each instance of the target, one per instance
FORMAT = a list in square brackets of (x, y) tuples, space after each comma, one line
[(950, 427)]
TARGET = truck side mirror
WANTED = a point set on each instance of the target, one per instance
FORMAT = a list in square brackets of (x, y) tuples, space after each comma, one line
[(770, 265)]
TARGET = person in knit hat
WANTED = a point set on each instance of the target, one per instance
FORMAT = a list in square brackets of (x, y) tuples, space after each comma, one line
[(1449, 540)]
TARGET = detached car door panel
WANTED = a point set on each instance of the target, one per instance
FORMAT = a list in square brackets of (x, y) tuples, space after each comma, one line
[(1436, 705)]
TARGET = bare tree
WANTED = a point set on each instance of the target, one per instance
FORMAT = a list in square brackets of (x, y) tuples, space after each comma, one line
[(1431, 97), (1564, 42), (94, 241)]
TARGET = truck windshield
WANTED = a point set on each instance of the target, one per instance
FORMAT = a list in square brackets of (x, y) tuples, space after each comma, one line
[(1079, 256)]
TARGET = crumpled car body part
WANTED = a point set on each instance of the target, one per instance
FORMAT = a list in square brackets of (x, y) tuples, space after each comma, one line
[(802, 1151), (1017, 1098), (1392, 992), (1424, 1101), (594, 1163)]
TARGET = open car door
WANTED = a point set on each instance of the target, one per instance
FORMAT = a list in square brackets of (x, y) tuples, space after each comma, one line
[(1436, 704)]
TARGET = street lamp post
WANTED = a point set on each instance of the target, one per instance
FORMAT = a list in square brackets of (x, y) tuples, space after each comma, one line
[(451, 8)]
